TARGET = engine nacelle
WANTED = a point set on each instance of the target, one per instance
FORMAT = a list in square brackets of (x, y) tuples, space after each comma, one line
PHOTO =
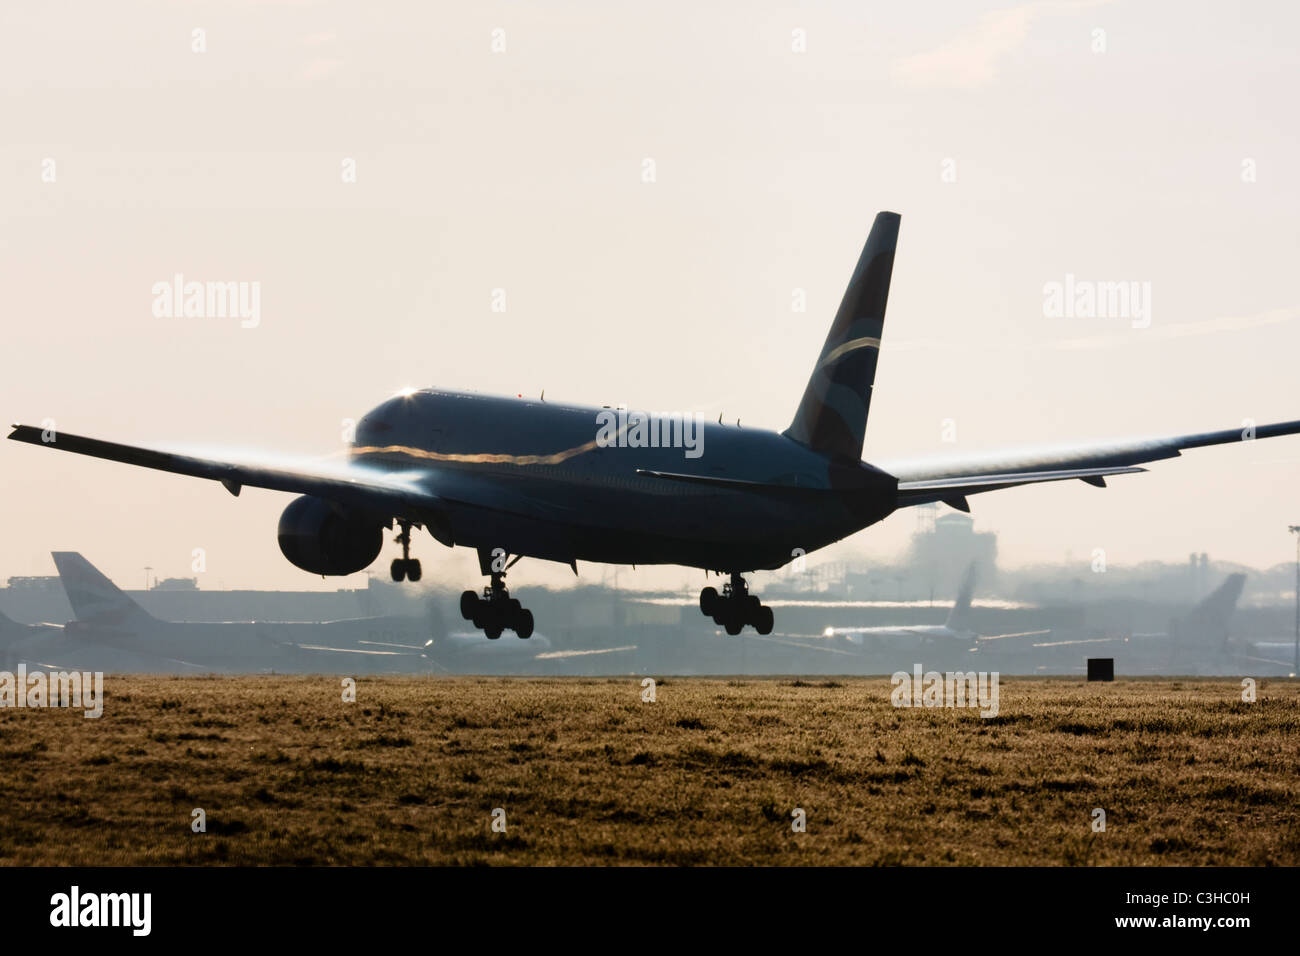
[(319, 537)]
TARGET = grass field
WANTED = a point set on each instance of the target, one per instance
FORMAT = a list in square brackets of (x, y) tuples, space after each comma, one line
[(587, 773)]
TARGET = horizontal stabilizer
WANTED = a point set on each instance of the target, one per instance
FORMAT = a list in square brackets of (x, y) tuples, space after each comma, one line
[(953, 491)]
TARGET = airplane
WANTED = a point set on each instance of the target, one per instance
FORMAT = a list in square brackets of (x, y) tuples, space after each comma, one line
[(1202, 642), (15, 636), (1196, 642), (70, 647), (514, 478), (113, 632), (956, 633)]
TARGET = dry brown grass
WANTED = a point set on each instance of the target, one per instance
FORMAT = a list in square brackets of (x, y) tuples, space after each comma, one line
[(588, 774)]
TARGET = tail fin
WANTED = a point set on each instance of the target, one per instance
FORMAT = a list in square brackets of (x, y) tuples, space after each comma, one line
[(832, 418), (1206, 625), (961, 607), (94, 597)]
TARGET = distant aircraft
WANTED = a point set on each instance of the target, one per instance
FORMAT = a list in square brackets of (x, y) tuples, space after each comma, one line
[(956, 633), (1196, 642), (516, 478), (1202, 641), (115, 632), (15, 637)]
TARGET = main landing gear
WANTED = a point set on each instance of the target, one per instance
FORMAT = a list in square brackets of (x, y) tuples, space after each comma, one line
[(406, 567), (496, 611), (735, 607)]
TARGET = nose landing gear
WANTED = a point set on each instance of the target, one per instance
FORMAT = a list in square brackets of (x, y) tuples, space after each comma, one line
[(405, 567), (735, 607)]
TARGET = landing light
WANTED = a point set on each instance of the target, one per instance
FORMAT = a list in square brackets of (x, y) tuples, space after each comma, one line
[(829, 632)]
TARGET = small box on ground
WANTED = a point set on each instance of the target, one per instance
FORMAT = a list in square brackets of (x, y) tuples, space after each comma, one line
[(1101, 668)]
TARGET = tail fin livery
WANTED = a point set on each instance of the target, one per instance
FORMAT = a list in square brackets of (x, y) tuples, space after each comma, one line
[(832, 418), (94, 597)]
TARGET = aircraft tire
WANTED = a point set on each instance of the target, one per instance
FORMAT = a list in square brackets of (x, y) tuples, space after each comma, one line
[(765, 620), (709, 601), (524, 623), (468, 605), (413, 571), (398, 569)]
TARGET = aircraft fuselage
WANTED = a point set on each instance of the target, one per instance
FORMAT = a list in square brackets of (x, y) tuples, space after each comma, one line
[(559, 491)]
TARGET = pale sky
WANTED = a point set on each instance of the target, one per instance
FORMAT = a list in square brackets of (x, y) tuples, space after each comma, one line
[(1145, 142)]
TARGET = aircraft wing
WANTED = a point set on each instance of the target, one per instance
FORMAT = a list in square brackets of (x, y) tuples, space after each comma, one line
[(347, 483), (951, 480)]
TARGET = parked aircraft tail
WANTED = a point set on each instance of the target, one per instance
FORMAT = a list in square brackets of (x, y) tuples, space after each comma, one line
[(94, 597), (832, 418), (1206, 625)]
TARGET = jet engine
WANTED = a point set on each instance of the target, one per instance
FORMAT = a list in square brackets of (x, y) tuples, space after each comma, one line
[(323, 538)]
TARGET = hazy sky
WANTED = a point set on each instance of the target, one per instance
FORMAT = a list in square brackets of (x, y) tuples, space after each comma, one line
[(1145, 142)]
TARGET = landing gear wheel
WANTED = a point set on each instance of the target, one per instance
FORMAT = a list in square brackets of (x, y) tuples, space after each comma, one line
[(735, 608), (524, 624), (413, 569), (495, 611), (468, 605), (398, 569)]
